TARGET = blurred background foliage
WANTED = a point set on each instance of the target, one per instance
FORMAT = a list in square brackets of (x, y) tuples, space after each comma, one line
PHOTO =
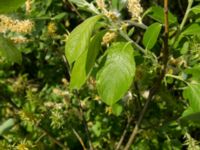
[(37, 110)]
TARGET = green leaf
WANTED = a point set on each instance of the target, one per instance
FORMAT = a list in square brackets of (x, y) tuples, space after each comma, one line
[(194, 71), (116, 76), (84, 5), (151, 35), (157, 13), (85, 62), (7, 6), (9, 51), (79, 39), (115, 4), (7, 125), (196, 9), (192, 29), (188, 115), (192, 113), (118, 4), (192, 93), (117, 109), (59, 16)]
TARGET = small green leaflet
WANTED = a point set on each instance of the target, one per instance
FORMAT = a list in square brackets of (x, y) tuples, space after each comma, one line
[(196, 9), (151, 35), (84, 5), (7, 6), (85, 62), (118, 4), (192, 93), (116, 76), (192, 29), (79, 39), (188, 115), (7, 125), (194, 71), (117, 109), (157, 13), (9, 51)]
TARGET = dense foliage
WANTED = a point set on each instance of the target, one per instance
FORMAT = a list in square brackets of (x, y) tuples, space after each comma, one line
[(99, 74)]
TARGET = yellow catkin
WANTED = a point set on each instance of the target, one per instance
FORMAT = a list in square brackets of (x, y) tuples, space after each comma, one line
[(101, 4), (28, 6), (52, 28), (112, 15), (15, 25), (22, 146), (108, 37), (19, 40), (135, 9)]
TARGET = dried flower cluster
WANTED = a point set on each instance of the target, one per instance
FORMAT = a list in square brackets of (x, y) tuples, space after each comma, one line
[(112, 15), (108, 37), (28, 6), (101, 4), (15, 25), (135, 9), (19, 39)]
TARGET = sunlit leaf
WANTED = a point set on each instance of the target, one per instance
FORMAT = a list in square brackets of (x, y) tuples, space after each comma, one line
[(192, 93), (151, 35), (85, 62), (116, 76), (79, 39), (5, 126), (192, 29), (157, 13)]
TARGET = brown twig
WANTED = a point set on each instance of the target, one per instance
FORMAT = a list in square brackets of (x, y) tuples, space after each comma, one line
[(84, 122), (138, 95), (52, 138), (123, 134), (74, 9), (159, 81), (166, 35), (79, 138)]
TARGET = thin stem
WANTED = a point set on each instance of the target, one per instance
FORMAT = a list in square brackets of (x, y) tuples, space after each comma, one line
[(190, 2), (135, 130), (79, 138), (140, 25), (52, 138), (176, 77), (138, 95), (166, 35), (74, 9), (159, 80), (84, 122), (123, 134), (125, 36)]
